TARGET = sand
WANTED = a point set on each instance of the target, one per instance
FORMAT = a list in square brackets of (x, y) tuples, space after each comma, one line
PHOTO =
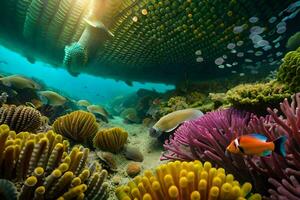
[(138, 137)]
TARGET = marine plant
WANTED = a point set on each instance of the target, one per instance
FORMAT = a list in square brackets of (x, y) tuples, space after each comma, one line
[(289, 70), (79, 126), (208, 137), (112, 139), (257, 97), (41, 167), (20, 118), (186, 180)]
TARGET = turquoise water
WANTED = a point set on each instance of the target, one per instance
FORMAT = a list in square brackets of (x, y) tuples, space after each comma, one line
[(94, 89)]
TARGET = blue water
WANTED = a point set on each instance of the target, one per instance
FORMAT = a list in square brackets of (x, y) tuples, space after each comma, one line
[(94, 89)]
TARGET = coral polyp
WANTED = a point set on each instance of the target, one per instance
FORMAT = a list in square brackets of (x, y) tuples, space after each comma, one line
[(186, 180), (41, 167)]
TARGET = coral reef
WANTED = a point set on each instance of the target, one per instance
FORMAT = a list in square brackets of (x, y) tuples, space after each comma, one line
[(257, 97), (78, 125), (112, 139), (186, 180), (288, 72), (8, 190), (208, 137), (43, 169), (75, 57), (20, 118)]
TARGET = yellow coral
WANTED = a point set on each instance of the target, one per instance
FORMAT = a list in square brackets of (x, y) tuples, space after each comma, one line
[(20, 118), (78, 125), (42, 161), (112, 139), (183, 181)]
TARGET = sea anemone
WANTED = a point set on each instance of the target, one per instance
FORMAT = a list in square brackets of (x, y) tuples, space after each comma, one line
[(79, 126), (186, 180), (20, 118), (112, 139), (208, 137)]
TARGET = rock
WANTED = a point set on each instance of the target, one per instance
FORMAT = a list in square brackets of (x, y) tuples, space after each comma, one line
[(108, 160), (133, 153), (133, 169)]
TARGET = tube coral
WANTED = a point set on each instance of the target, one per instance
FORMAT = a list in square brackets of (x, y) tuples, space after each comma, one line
[(43, 169), (112, 139), (20, 118), (186, 180), (78, 125)]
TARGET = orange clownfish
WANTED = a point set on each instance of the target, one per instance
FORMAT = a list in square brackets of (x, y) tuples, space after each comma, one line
[(256, 144)]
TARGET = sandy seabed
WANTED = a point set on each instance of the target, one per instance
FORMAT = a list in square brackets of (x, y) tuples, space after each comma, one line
[(138, 136)]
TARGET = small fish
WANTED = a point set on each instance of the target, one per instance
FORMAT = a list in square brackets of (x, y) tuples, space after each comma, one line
[(52, 98), (256, 144), (19, 82), (83, 103), (99, 111), (172, 120)]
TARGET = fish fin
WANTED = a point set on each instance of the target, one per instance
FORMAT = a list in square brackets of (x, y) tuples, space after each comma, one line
[(266, 153), (241, 149), (279, 145), (172, 129), (259, 137), (43, 99)]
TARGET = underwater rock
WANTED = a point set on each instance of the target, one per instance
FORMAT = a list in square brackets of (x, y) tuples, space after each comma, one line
[(108, 159), (20, 118), (19, 82), (52, 98), (179, 180), (79, 126), (172, 120), (133, 169), (133, 153), (112, 139)]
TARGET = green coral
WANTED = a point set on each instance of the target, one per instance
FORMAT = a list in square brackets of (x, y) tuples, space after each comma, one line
[(257, 97), (289, 71)]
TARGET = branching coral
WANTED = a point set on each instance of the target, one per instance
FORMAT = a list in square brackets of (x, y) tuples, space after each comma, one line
[(257, 97), (112, 139), (186, 180), (207, 138), (78, 125), (20, 118), (289, 70), (43, 169)]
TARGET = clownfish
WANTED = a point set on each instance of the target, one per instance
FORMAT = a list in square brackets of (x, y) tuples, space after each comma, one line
[(256, 144)]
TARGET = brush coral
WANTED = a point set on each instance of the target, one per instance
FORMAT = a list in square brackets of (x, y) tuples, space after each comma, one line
[(186, 180), (20, 118), (41, 167), (112, 139), (78, 125)]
